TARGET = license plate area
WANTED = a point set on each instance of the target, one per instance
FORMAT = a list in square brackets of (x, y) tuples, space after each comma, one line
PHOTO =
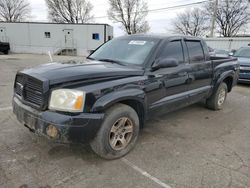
[(25, 116), (29, 121)]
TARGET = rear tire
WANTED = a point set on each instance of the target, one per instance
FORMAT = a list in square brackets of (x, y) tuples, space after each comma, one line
[(118, 133), (218, 98)]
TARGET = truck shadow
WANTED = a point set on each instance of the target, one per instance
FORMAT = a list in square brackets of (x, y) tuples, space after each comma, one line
[(83, 151), (243, 85), (177, 113)]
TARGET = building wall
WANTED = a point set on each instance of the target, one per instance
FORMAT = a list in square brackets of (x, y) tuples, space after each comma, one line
[(227, 43), (30, 37)]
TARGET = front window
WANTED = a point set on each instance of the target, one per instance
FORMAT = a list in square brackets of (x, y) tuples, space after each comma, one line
[(243, 52), (173, 50), (128, 51)]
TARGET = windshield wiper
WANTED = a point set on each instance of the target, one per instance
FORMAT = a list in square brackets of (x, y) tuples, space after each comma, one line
[(111, 61)]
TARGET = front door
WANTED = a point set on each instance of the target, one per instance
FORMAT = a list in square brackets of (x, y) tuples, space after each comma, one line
[(3, 37), (174, 80), (68, 38)]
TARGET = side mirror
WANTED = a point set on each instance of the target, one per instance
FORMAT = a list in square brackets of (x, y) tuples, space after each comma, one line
[(232, 52), (165, 63), (91, 52)]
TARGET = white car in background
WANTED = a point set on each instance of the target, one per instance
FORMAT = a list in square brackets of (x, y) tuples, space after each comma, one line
[(218, 52)]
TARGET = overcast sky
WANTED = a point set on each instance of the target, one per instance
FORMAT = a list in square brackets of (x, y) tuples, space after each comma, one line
[(159, 21)]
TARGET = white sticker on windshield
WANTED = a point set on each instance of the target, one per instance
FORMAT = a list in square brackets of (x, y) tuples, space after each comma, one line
[(137, 42)]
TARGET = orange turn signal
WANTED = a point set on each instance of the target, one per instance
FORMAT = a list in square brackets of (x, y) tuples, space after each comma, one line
[(79, 103)]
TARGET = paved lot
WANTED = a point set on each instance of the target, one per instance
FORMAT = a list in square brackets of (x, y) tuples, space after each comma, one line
[(193, 147)]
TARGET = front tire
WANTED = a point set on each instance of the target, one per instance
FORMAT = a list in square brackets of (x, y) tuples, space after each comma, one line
[(118, 133), (218, 98), (6, 52)]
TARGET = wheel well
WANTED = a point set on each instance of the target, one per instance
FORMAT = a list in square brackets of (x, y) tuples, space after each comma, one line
[(229, 81), (138, 107)]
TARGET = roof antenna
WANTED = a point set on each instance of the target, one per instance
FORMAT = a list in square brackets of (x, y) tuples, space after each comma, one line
[(50, 57)]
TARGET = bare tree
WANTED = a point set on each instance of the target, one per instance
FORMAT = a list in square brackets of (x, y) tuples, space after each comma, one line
[(70, 11), (131, 14), (14, 10), (193, 23), (231, 16)]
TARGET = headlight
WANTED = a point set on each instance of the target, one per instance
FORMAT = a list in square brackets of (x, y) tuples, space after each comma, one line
[(67, 100)]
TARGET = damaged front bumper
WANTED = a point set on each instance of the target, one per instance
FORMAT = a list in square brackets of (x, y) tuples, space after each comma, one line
[(67, 128)]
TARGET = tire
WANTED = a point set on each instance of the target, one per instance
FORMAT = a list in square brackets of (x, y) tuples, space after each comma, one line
[(114, 140), (218, 98), (6, 52)]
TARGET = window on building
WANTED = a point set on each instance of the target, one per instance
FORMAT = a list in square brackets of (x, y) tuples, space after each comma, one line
[(195, 50), (47, 34), (95, 36)]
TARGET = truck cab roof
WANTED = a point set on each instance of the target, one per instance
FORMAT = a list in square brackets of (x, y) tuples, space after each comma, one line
[(160, 37)]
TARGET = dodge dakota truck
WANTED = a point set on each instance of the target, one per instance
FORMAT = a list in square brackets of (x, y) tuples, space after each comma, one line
[(106, 99), (4, 47)]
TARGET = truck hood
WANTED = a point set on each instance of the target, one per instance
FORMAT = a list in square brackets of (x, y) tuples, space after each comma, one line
[(244, 61), (70, 71)]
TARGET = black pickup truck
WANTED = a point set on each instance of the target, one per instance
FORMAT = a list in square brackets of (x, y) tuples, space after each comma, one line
[(4, 47), (106, 99)]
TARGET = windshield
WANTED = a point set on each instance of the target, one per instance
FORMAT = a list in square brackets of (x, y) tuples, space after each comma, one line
[(243, 52), (128, 51)]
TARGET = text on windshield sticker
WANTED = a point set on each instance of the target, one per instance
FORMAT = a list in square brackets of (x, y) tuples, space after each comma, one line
[(137, 42)]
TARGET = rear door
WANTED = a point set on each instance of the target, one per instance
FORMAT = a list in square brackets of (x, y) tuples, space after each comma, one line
[(200, 70)]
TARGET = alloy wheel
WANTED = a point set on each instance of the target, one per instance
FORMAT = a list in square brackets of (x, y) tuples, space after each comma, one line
[(121, 133)]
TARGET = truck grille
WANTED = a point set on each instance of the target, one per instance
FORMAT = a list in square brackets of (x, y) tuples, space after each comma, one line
[(30, 90)]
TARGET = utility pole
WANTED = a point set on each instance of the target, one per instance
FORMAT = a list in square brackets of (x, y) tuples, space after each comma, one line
[(214, 17)]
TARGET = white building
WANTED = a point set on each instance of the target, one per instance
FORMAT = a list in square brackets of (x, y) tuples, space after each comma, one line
[(35, 37), (225, 43)]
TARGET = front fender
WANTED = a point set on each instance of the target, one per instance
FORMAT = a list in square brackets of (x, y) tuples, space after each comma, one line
[(117, 96)]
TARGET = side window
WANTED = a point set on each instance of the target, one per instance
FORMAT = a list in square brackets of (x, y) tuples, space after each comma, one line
[(173, 50), (195, 50)]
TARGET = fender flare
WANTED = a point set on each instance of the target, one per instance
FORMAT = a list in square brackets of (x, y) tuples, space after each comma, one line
[(222, 77), (115, 97)]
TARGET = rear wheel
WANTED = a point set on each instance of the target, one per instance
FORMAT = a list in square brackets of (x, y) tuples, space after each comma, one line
[(218, 98), (118, 133)]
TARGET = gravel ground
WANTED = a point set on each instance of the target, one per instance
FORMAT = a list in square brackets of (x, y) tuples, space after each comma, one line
[(193, 147)]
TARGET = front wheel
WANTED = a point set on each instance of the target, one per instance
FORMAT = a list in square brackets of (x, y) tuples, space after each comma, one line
[(118, 133), (6, 52), (218, 98)]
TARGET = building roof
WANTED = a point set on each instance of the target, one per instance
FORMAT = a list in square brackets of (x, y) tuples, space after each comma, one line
[(55, 23)]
